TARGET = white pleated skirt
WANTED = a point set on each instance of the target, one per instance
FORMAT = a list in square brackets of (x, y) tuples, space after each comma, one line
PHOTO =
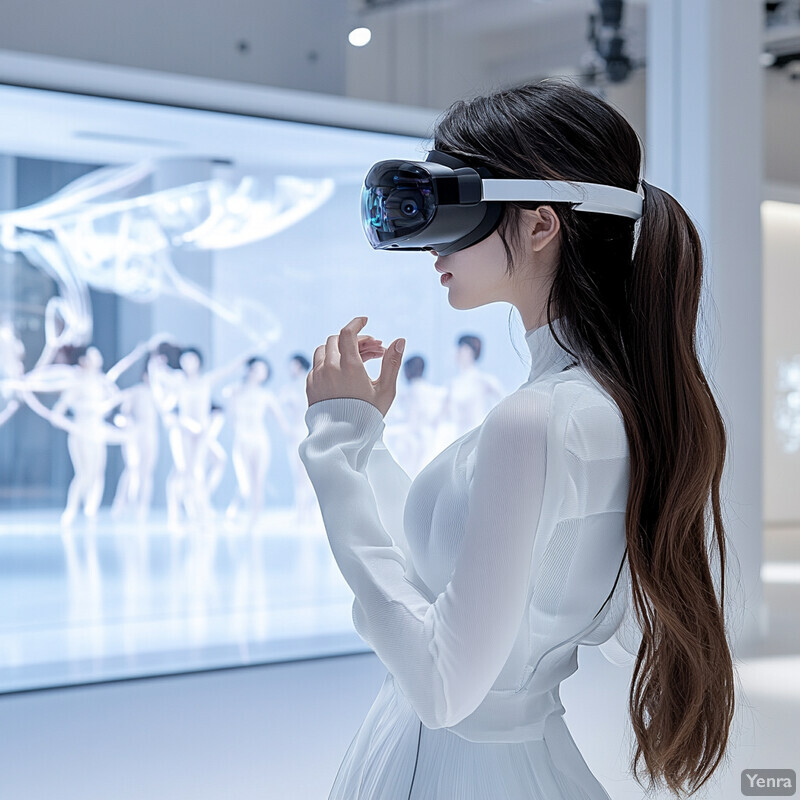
[(394, 757)]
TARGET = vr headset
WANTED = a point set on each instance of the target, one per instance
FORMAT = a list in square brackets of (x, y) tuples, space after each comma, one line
[(443, 204)]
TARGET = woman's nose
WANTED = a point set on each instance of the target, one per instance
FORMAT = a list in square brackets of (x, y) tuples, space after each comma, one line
[(434, 253)]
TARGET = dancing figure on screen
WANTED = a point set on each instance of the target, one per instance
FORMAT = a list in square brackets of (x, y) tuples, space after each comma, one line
[(411, 433), (184, 397), (88, 395), (470, 395), (138, 417), (249, 403)]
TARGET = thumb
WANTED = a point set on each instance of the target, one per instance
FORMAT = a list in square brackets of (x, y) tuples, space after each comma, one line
[(390, 365)]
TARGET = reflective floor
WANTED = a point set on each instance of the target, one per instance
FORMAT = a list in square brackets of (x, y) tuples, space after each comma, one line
[(116, 599)]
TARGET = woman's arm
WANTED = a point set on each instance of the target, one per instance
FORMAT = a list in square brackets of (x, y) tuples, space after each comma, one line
[(126, 362), (226, 370), (390, 484), (444, 655)]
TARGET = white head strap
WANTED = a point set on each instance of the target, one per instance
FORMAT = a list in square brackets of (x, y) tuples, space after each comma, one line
[(595, 197)]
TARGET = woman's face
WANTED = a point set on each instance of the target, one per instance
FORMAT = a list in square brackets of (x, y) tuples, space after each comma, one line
[(478, 273), (258, 372), (465, 356), (190, 363)]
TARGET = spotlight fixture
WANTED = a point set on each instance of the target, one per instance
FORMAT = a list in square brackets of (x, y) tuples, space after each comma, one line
[(781, 46), (609, 44)]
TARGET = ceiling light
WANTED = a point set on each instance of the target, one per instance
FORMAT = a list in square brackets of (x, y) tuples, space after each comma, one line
[(358, 37)]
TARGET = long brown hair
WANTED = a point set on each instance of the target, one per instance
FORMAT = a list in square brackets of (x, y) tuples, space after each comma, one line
[(629, 305)]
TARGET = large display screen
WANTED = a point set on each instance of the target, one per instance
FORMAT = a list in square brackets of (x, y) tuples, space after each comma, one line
[(165, 276)]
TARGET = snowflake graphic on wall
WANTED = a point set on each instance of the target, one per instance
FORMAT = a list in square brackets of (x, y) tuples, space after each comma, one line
[(787, 404)]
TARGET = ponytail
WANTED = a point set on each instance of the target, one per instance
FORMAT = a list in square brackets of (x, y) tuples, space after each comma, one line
[(681, 697)]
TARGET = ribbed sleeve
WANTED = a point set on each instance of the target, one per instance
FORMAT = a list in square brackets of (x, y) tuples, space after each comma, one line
[(390, 484), (444, 655)]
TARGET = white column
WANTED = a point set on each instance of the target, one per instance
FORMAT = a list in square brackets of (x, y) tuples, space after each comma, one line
[(704, 146)]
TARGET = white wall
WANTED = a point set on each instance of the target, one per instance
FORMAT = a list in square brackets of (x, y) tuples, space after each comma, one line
[(781, 223)]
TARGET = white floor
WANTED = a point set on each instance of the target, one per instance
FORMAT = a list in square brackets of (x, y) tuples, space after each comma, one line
[(280, 731)]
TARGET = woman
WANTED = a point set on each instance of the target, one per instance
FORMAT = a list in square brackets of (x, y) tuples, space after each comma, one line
[(476, 583)]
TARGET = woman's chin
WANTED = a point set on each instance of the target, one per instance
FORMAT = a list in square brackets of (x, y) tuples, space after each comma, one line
[(460, 303)]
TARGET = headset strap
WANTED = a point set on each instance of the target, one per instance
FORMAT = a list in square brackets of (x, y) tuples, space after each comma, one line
[(594, 197)]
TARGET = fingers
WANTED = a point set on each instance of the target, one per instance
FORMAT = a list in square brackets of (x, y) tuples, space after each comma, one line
[(390, 367), (370, 354), (348, 347), (331, 351), (366, 344), (369, 347), (319, 356)]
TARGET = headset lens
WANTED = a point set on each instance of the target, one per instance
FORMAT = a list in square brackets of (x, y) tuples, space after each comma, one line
[(397, 201)]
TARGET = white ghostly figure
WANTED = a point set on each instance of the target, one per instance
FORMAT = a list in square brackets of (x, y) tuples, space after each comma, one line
[(138, 416), (90, 395), (107, 231), (184, 398), (250, 402), (294, 402), (12, 368), (411, 432), (470, 395)]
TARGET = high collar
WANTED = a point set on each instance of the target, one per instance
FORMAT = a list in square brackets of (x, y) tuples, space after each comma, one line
[(547, 356)]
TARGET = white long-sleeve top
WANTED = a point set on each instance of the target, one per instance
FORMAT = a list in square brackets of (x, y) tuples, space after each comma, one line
[(475, 584)]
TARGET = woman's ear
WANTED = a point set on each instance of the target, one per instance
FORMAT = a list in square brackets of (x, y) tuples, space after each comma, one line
[(542, 226)]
